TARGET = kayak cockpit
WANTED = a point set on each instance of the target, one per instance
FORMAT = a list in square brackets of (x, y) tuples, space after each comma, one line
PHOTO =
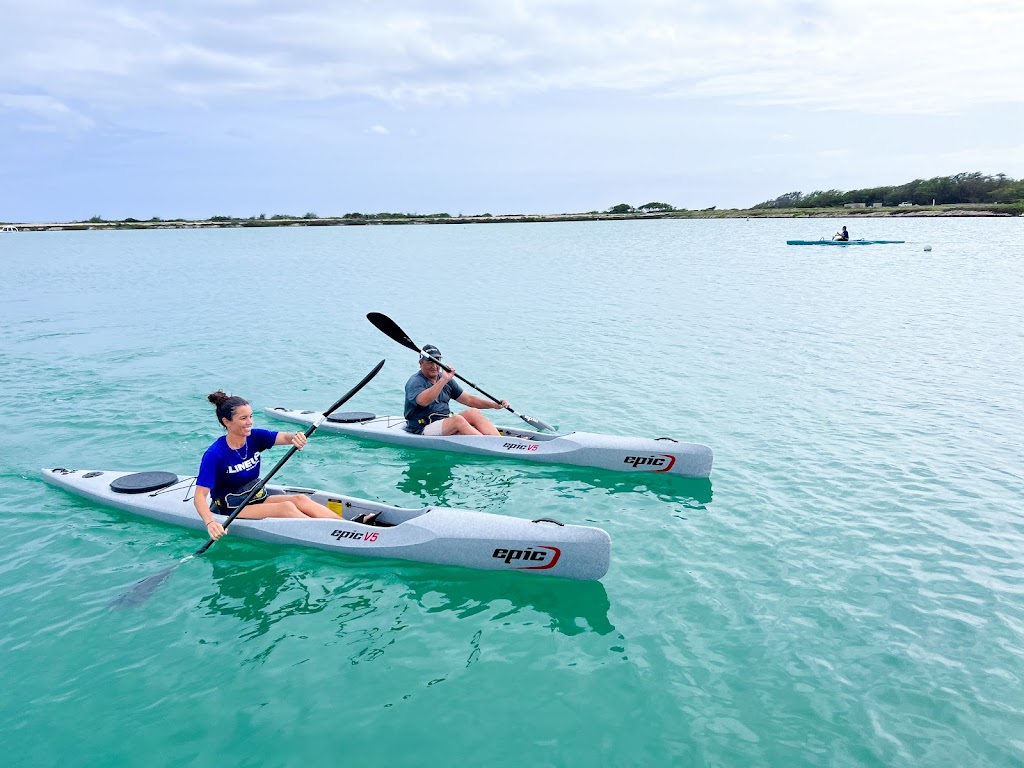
[(396, 422)]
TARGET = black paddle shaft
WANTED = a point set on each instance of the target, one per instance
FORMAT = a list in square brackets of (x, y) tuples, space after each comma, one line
[(291, 452), (389, 327)]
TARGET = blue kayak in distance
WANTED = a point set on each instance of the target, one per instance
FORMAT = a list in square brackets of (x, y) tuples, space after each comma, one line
[(844, 242)]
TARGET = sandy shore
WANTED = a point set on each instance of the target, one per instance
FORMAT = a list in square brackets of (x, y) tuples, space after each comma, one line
[(846, 213)]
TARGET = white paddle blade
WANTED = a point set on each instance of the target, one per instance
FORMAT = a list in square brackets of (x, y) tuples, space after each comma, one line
[(536, 423)]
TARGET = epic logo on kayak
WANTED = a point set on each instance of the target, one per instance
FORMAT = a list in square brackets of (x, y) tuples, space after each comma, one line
[(519, 447), (529, 555), (656, 463), (357, 535)]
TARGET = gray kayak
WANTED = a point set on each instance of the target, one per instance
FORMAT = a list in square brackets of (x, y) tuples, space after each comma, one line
[(439, 535), (662, 455)]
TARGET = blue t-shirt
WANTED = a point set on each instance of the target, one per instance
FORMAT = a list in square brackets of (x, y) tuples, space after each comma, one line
[(416, 413), (224, 469)]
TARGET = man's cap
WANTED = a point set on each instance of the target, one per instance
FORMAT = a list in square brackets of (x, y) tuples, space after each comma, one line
[(431, 350)]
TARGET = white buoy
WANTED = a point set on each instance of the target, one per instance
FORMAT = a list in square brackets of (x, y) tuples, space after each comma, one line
[(927, 247)]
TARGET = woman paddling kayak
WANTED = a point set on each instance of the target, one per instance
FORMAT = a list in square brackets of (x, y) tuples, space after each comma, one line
[(231, 467)]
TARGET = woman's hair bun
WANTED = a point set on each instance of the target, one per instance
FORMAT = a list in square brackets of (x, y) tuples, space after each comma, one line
[(217, 397)]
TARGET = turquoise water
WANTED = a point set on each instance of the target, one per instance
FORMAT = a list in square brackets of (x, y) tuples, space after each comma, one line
[(847, 590)]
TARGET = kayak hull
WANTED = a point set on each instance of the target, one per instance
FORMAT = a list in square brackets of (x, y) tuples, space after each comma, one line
[(621, 454), (439, 535), (844, 242)]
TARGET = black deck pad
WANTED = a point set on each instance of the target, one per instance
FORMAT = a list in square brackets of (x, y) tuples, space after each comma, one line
[(350, 417), (143, 482)]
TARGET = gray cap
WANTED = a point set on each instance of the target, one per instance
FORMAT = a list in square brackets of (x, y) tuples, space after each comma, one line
[(431, 350)]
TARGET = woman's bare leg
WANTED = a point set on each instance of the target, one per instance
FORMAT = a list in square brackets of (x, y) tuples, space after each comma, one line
[(278, 506), (304, 505)]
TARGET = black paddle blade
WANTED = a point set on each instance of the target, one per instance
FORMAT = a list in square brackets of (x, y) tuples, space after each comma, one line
[(389, 327), (142, 591)]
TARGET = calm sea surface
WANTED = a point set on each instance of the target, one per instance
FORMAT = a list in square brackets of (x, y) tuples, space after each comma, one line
[(847, 590)]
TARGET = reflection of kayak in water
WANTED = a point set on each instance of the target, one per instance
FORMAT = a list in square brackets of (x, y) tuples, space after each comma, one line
[(441, 535), (622, 454), (574, 608), (844, 242)]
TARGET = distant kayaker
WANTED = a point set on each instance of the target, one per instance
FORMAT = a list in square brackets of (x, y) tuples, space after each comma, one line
[(231, 467), (426, 402), (842, 235)]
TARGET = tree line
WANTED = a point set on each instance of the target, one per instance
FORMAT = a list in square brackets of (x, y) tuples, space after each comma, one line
[(645, 208), (277, 217), (959, 189)]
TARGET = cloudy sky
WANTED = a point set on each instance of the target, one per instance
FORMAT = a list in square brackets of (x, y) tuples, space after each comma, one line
[(195, 108)]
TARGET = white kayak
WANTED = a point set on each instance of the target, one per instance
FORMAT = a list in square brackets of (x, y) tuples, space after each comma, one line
[(661, 455), (430, 535)]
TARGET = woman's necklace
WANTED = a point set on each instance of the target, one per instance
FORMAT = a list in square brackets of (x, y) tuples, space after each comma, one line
[(242, 456)]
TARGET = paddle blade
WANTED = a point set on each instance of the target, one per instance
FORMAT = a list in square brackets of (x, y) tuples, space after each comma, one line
[(142, 590), (389, 327), (536, 423)]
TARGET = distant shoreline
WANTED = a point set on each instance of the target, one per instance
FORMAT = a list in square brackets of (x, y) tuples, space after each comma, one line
[(939, 211)]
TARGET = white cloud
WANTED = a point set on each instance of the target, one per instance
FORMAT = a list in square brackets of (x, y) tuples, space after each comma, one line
[(56, 116), (966, 160), (914, 56), (725, 103)]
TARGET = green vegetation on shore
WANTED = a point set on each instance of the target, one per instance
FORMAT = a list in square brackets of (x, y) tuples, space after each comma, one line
[(960, 189), (965, 194)]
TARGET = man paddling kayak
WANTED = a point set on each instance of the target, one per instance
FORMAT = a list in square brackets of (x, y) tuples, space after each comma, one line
[(427, 394), (843, 235)]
